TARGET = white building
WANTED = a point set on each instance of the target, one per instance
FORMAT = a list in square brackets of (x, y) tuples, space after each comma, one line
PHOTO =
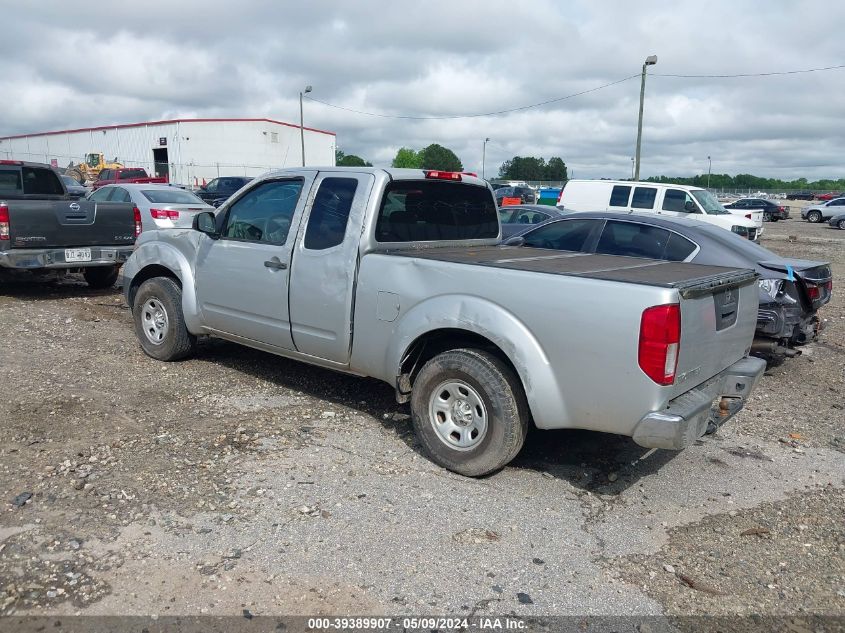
[(187, 150)]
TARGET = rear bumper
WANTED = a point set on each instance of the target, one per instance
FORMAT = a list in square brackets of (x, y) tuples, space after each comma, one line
[(685, 418), (41, 258)]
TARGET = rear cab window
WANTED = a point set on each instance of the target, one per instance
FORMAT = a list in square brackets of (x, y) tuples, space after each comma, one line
[(10, 181), (41, 181), (428, 210), (126, 174)]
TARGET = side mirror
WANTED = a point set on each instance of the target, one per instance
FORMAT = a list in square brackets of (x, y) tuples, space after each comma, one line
[(205, 223), (517, 240)]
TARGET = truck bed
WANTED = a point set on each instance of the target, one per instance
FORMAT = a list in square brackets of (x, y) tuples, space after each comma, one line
[(689, 279)]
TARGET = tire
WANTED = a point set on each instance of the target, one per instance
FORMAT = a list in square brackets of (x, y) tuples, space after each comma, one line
[(476, 382), (101, 277), (76, 175), (767, 217), (159, 321), (814, 216), (841, 224)]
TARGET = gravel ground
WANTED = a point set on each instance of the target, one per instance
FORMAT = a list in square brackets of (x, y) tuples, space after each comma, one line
[(237, 480)]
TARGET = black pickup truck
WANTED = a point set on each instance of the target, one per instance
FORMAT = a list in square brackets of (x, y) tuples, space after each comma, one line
[(44, 232)]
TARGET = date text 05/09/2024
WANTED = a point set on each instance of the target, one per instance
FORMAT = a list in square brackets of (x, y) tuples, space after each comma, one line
[(420, 623)]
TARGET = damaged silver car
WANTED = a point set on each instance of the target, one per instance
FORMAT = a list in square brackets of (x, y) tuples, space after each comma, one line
[(791, 290)]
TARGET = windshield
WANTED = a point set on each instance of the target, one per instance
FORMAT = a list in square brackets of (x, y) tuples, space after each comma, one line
[(171, 196), (709, 203)]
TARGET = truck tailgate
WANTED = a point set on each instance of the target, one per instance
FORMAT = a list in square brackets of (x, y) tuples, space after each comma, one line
[(718, 320), (62, 223)]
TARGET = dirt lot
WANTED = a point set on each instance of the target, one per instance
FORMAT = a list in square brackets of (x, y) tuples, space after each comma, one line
[(238, 480)]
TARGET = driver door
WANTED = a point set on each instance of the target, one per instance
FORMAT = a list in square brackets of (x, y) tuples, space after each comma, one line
[(242, 277)]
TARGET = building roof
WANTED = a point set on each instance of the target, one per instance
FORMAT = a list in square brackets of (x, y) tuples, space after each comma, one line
[(164, 122)]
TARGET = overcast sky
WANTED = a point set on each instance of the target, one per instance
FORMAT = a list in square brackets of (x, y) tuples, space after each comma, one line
[(63, 65)]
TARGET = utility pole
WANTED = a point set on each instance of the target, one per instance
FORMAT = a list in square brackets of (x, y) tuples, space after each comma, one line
[(302, 123), (651, 60), (709, 165), (484, 155)]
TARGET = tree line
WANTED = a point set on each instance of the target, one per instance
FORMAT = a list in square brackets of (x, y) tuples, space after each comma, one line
[(748, 181)]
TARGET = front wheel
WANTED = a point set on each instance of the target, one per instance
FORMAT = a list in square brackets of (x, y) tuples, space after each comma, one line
[(767, 217), (469, 411), (814, 216), (159, 321), (841, 224), (101, 277)]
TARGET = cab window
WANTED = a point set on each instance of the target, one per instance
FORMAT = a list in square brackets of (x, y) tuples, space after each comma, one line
[(265, 213), (330, 213)]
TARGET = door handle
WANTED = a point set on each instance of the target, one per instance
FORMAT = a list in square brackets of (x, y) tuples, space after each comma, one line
[(275, 264)]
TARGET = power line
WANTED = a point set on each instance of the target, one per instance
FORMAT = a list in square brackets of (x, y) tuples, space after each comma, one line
[(473, 116), (576, 94), (784, 72)]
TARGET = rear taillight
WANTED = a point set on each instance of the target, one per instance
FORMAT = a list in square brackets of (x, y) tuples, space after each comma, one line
[(136, 212), (660, 340), (4, 221), (164, 214)]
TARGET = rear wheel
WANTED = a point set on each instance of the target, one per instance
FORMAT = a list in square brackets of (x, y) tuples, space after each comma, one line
[(814, 216), (841, 224), (767, 217), (159, 321), (469, 411), (101, 276)]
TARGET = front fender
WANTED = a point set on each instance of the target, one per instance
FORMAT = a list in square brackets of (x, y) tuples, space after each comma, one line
[(163, 255), (496, 324)]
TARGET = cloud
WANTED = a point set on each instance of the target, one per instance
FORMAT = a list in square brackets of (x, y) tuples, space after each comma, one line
[(63, 68)]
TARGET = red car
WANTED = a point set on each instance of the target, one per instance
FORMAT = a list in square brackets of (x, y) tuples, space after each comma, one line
[(828, 196), (125, 176)]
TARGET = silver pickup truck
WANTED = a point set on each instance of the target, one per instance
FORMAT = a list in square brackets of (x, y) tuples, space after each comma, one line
[(396, 274)]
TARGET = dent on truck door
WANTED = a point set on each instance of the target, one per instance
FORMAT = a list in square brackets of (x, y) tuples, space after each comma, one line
[(242, 277), (325, 266)]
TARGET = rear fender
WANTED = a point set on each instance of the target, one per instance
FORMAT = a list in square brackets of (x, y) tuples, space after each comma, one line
[(163, 255), (502, 328)]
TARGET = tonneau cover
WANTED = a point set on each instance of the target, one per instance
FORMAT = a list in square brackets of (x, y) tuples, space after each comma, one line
[(690, 279)]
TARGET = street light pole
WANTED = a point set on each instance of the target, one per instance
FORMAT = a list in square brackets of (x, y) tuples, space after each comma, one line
[(709, 165), (651, 60), (484, 155), (302, 124), (632, 167)]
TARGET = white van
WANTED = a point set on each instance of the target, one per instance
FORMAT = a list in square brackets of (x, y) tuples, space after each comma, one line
[(650, 197)]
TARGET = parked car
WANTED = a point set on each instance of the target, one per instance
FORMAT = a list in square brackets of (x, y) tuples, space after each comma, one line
[(74, 189), (45, 233), (518, 217), (830, 195), (218, 190), (396, 274), (124, 175), (819, 212), (800, 195), (771, 212), (658, 199), (838, 222), (526, 195), (791, 290), (161, 206)]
